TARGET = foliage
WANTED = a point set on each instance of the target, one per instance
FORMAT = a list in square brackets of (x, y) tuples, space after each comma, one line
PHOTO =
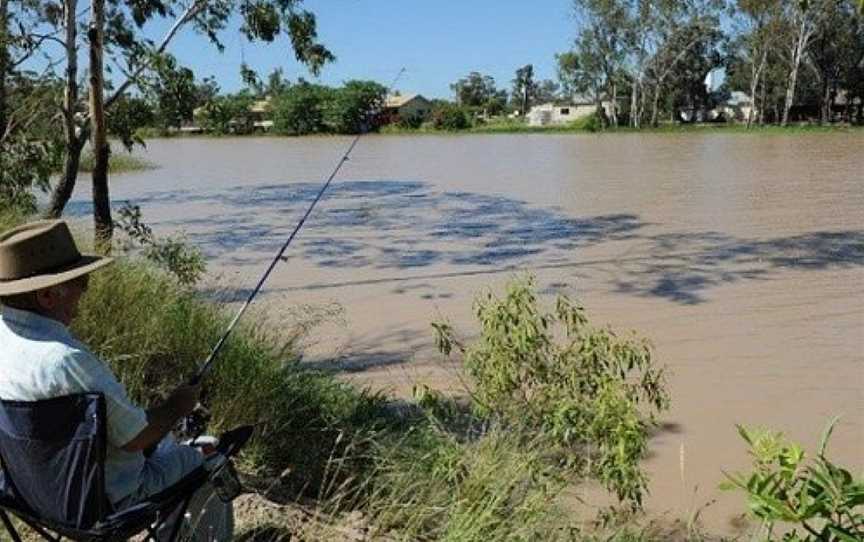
[(226, 114), (172, 88), (172, 254), (590, 390), (352, 106), (301, 109), (128, 115), (25, 164), (819, 500), (523, 87), (479, 91), (450, 117)]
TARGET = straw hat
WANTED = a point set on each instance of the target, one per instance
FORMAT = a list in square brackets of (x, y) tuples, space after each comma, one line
[(42, 254)]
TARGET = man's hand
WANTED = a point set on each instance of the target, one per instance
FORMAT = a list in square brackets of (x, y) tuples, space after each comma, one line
[(164, 417), (183, 400)]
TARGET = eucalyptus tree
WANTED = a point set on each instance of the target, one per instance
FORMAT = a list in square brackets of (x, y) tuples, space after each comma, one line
[(805, 18), (757, 23), (835, 51), (119, 30), (601, 43), (523, 87)]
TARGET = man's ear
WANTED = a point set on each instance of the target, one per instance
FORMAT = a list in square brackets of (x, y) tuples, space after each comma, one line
[(47, 298)]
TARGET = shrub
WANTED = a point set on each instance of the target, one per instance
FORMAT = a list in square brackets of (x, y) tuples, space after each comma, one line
[(300, 110), (590, 390), (353, 105), (450, 117), (413, 122), (226, 114), (819, 500)]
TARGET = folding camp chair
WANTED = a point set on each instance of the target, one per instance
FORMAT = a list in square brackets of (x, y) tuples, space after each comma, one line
[(53, 475)]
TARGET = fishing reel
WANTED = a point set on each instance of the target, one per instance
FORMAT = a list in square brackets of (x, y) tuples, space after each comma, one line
[(194, 424)]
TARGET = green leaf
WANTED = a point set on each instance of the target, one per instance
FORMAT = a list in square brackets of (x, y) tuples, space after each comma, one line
[(823, 442), (844, 535)]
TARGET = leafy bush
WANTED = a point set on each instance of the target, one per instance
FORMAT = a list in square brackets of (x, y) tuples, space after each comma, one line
[(412, 122), (226, 114), (450, 117), (352, 106), (820, 500), (593, 392), (301, 109)]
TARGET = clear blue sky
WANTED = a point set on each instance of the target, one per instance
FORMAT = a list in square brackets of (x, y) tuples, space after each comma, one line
[(436, 41)]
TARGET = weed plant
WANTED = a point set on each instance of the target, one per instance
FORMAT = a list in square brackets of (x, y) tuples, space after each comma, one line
[(591, 391), (815, 499)]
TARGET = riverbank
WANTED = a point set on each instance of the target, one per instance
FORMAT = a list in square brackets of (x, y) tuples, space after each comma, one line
[(583, 127), (590, 127)]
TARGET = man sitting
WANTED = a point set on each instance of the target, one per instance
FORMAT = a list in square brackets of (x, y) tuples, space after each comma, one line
[(42, 279)]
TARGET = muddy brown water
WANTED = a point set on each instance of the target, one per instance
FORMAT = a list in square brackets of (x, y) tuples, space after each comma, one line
[(740, 257)]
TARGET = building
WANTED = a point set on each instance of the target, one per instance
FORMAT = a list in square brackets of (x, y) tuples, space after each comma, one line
[(261, 115), (736, 109), (406, 106), (558, 113)]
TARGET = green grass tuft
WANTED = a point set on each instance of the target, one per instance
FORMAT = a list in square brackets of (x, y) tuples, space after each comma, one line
[(119, 162)]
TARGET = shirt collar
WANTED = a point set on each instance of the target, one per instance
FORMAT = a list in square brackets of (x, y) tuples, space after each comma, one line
[(32, 320)]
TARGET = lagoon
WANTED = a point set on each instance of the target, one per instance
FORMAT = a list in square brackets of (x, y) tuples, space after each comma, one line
[(741, 257)]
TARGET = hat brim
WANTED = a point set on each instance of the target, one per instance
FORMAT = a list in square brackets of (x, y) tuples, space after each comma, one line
[(84, 266)]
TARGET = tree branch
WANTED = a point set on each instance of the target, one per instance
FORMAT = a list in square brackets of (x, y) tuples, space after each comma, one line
[(190, 12)]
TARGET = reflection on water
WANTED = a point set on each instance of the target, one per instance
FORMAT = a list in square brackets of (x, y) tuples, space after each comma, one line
[(742, 258)]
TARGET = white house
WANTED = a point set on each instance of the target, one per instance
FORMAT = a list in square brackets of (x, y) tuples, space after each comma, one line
[(557, 113), (735, 109)]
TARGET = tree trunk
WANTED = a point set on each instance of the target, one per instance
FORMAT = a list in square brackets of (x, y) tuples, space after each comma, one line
[(797, 53), (762, 105), (614, 105), (102, 222), (655, 106), (4, 65), (825, 98), (74, 141), (634, 105), (754, 85)]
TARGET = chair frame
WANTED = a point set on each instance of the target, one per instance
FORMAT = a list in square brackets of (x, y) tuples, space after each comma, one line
[(150, 515)]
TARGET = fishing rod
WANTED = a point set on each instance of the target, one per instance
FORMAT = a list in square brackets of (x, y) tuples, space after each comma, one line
[(202, 371)]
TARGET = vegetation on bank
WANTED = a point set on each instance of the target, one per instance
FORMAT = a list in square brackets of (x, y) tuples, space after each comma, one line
[(118, 162)]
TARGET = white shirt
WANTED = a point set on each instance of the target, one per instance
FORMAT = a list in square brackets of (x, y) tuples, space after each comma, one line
[(40, 359)]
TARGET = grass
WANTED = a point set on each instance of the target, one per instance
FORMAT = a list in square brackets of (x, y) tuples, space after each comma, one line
[(119, 162)]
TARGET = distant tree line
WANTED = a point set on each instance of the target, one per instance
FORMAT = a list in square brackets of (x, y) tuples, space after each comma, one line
[(795, 59)]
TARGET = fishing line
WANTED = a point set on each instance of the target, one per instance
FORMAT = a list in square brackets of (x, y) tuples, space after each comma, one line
[(202, 371)]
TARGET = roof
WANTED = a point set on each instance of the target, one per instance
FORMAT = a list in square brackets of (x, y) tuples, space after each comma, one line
[(400, 100), (260, 106)]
